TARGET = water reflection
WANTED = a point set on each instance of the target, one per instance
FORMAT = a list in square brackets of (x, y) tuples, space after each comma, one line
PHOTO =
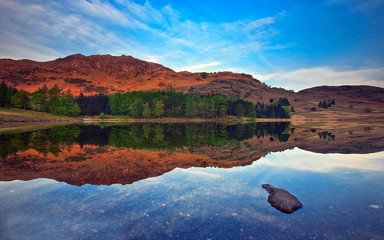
[(109, 154), (327, 136), (201, 203), (138, 136)]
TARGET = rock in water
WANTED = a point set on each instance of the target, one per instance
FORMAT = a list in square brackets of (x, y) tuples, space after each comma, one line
[(281, 199)]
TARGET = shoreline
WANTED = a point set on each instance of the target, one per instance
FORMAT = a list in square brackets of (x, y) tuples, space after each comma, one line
[(19, 116), (16, 118), (19, 126), (85, 120), (224, 120)]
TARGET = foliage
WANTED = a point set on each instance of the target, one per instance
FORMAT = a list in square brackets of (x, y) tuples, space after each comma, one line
[(20, 99), (93, 105), (327, 103), (143, 104), (154, 104), (44, 99), (283, 102), (45, 141), (6, 94), (139, 136), (103, 116)]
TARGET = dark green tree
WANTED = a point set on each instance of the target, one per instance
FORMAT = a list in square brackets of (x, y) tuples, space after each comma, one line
[(20, 99)]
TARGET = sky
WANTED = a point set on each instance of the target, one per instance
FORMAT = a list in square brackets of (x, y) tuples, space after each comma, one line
[(294, 44)]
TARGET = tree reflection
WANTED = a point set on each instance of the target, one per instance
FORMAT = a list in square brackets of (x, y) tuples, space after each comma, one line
[(138, 136)]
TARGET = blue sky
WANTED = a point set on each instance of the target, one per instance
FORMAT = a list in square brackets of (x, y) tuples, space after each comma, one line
[(293, 44)]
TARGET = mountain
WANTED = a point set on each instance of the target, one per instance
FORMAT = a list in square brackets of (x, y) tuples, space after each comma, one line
[(103, 74), (110, 74)]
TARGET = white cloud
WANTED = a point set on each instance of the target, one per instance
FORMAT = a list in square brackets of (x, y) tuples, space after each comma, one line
[(145, 12), (309, 77), (54, 29), (45, 32), (205, 173), (307, 161), (106, 11), (257, 24), (200, 67), (248, 26), (126, 27)]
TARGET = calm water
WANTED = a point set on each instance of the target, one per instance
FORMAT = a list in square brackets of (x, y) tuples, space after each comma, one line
[(188, 181)]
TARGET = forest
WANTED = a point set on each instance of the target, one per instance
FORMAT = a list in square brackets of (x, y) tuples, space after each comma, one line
[(141, 104)]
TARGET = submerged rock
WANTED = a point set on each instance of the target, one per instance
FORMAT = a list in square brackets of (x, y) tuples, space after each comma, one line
[(281, 199)]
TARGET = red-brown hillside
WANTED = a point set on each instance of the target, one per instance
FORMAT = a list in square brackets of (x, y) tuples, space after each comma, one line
[(103, 74), (110, 74)]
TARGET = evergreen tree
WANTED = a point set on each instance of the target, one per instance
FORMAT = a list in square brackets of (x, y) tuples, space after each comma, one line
[(283, 102), (135, 108), (20, 99), (324, 104), (38, 101), (239, 109), (146, 110), (3, 95), (158, 109), (6, 94)]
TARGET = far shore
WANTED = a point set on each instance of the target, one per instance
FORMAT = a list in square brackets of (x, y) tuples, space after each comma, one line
[(24, 125), (13, 120), (224, 120), (20, 116)]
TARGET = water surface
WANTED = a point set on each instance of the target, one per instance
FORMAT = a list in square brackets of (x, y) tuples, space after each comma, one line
[(118, 182)]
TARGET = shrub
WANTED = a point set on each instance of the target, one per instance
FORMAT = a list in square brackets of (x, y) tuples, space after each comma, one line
[(103, 115)]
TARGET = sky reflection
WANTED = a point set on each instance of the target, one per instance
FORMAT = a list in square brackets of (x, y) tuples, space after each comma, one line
[(308, 161), (200, 203)]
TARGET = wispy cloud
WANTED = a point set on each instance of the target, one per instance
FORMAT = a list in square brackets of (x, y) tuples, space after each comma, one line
[(54, 29), (309, 77), (44, 30), (106, 11), (200, 172), (50, 32), (307, 161), (200, 67)]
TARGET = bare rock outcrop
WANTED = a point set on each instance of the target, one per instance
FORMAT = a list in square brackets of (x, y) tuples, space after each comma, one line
[(281, 199)]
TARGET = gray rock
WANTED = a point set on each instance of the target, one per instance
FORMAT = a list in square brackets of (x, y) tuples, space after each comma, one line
[(281, 199)]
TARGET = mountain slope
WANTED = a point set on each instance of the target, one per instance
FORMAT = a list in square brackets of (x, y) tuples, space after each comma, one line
[(111, 74), (102, 74)]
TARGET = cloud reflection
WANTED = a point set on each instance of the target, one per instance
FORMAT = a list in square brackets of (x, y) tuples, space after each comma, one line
[(298, 159)]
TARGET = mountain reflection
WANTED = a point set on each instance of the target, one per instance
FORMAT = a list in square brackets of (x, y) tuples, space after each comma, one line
[(125, 153), (138, 136)]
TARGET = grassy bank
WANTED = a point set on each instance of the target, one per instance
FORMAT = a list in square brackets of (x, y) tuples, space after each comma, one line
[(14, 115), (223, 120), (336, 119), (20, 115), (21, 127)]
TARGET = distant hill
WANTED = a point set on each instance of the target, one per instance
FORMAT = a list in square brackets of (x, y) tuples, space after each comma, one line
[(103, 74), (366, 94), (111, 74)]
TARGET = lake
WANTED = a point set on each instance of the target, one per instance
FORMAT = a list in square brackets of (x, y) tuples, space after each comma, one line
[(191, 181)]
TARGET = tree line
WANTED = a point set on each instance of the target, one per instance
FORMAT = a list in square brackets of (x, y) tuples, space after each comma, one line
[(156, 104), (51, 100), (140, 104)]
